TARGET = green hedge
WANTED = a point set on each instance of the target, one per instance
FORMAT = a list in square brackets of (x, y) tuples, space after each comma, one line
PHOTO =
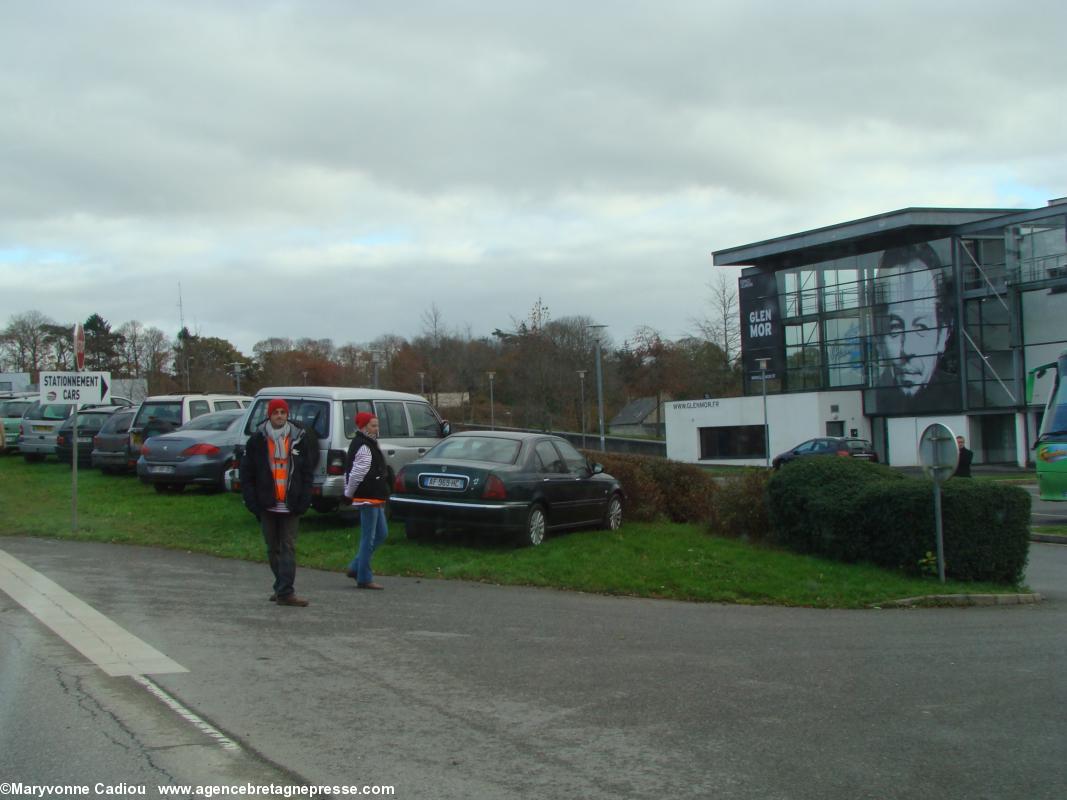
[(850, 510), (657, 488)]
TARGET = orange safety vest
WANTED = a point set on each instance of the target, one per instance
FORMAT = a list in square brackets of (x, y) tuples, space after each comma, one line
[(280, 468)]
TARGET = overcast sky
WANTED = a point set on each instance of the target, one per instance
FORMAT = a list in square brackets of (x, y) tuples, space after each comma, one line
[(331, 169)]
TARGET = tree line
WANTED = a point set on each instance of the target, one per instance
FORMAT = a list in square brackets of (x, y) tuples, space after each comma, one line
[(539, 371)]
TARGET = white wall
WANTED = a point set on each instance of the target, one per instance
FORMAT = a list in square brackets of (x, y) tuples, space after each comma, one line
[(791, 419), (904, 433)]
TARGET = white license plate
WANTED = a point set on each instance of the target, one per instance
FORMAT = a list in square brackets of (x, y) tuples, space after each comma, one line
[(161, 470), (434, 482)]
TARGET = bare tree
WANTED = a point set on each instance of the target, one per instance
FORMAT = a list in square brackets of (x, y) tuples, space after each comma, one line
[(28, 342), (722, 325)]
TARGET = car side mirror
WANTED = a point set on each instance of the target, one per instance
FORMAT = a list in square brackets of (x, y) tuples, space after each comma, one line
[(446, 428), (596, 469)]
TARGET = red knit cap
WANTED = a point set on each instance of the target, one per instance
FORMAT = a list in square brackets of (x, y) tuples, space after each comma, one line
[(362, 418), (275, 404)]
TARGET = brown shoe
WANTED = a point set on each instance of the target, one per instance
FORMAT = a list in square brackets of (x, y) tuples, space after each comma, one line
[(273, 598), (292, 600), (351, 574), (370, 585)]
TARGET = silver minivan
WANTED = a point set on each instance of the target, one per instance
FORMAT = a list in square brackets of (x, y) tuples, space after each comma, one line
[(409, 427)]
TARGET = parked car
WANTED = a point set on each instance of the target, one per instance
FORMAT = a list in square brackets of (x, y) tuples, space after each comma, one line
[(525, 484), (410, 426), (828, 446), (165, 413), (196, 453), (11, 410), (111, 446), (40, 424), (90, 421)]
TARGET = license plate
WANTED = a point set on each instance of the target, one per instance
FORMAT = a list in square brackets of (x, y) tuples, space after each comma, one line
[(41, 429), (434, 482), (136, 439), (161, 470)]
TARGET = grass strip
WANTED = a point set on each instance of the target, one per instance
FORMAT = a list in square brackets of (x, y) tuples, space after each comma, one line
[(659, 560)]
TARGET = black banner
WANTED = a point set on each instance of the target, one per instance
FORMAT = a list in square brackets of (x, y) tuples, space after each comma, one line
[(761, 325)]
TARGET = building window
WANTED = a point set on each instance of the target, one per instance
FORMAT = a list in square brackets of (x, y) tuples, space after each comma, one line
[(733, 441)]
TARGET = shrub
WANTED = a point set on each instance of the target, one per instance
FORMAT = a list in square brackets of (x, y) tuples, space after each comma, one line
[(741, 507), (985, 528), (657, 488), (812, 504), (850, 510)]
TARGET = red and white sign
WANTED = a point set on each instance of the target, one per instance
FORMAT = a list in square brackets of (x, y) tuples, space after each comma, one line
[(79, 347)]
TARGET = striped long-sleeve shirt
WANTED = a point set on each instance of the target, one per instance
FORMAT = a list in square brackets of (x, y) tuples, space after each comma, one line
[(361, 465)]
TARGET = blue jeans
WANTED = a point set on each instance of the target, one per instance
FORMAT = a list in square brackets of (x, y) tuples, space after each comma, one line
[(372, 532), (279, 533)]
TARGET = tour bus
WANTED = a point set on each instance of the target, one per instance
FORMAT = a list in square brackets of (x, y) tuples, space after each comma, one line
[(1050, 451)]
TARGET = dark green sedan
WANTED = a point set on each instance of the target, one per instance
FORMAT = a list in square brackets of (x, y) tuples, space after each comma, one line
[(524, 485)]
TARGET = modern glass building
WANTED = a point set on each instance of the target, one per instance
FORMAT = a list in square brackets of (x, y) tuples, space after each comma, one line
[(924, 312)]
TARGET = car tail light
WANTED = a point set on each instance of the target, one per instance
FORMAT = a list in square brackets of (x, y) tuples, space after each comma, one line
[(201, 449), (494, 489), (96, 441), (335, 462), (61, 439), (398, 483), (844, 453), (144, 449)]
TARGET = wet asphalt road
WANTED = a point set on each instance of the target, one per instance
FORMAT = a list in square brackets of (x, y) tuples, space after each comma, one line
[(462, 690)]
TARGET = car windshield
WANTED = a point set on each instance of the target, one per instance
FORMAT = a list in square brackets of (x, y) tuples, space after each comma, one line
[(49, 411), (14, 408), (170, 411), (218, 421), (86, 422), (477, 448)]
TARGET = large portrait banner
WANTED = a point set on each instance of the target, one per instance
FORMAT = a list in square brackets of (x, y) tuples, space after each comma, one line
[(761, 325)]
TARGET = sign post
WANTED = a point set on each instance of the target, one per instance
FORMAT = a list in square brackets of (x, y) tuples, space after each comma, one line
[(939, 454), (75, 389)]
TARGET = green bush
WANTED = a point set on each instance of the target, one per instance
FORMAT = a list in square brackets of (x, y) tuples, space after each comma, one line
[(657, 488), (741, 507), (985, 528), (851, 510), (812, 504)]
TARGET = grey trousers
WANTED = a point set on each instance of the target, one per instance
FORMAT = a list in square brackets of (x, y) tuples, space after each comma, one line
[(279, 532)]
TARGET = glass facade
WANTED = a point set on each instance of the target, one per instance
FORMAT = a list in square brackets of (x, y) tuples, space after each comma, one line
[(946, 325)]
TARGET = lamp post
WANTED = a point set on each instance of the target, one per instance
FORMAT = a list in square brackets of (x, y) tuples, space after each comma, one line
[(492, 415), (599, 384), (581, 381), (766, 431), (422, 383), (375, 358)]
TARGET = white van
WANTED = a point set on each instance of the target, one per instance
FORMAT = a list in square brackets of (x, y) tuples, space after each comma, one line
[(409, 427), (163, 413)]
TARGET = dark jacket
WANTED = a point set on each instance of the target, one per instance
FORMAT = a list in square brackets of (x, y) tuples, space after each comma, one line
[(375, 484), (963, 467), (257, 479)]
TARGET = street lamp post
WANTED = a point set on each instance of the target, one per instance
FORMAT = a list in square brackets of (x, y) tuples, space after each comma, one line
[(599, 384), (581, 380), (492, 415), (766, 431), (375, 358), (422, 383)]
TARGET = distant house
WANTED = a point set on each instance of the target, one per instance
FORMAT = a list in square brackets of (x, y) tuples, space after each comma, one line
[(641, 417)]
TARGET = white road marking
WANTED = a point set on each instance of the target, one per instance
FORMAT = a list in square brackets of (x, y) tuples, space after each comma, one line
[(112, 648), (204, 727)]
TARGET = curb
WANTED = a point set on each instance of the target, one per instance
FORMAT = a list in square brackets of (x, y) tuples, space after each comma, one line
[(961, 600), (1048, 537)]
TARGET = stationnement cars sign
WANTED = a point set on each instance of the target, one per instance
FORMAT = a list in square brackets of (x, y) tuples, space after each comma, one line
[(76, 388)]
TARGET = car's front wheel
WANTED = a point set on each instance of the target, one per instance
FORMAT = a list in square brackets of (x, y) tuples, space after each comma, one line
[(536, 526), (613, 513)]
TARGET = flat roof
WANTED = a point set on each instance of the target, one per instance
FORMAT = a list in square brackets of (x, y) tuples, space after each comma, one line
[(858, 236)]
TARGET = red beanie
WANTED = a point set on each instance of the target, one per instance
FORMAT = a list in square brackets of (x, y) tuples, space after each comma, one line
[(275, 404), (362, 418)]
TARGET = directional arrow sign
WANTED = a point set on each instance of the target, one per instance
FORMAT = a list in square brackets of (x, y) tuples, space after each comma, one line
[(76, 388)]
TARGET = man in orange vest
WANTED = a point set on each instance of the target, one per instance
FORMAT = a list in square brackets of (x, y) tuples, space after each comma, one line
[(277, 470)]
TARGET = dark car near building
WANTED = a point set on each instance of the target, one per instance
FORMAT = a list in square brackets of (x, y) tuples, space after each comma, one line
[(843, 446), (522, 484), (111, 444), (198, 452), (90, 421)]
